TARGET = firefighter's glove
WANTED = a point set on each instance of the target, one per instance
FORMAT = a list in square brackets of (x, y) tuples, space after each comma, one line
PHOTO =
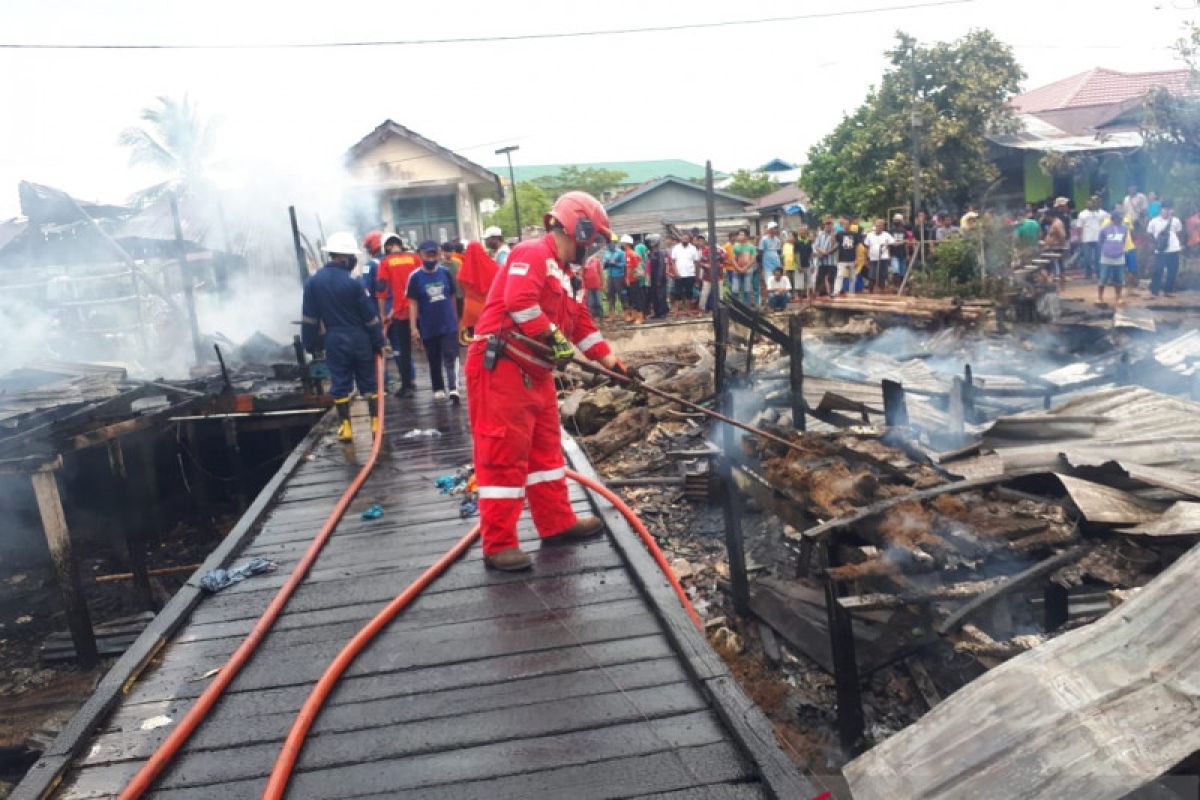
[(560, 348), (621, 368)]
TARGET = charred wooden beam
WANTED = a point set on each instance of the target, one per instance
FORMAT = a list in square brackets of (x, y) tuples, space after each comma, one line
[(721, 338), (895, 409), (851, 722), (66, 568), (135, 543), (1013, 583), (796, 370)]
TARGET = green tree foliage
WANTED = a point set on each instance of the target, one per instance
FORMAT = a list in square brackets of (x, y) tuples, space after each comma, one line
[(1171, 128), (593, 180), (751, 184), (534, 203), (175, 140), (962, 89)]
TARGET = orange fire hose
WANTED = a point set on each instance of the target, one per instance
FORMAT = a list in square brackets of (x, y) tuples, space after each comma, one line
[(286, 762), (161, 757)]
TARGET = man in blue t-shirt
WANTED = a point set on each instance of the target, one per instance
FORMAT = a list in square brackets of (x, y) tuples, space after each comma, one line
[(430, 292)]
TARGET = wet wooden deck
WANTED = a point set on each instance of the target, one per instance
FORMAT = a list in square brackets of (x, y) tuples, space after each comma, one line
[(582, 678)]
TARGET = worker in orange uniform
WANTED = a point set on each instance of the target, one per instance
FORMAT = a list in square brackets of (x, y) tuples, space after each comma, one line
[(391, 292), (510, 385)]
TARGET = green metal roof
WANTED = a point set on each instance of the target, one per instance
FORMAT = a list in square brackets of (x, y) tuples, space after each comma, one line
[(636, 171)]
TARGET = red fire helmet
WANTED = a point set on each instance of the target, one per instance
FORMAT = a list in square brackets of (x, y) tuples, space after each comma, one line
[(372, 242), (574, 208)]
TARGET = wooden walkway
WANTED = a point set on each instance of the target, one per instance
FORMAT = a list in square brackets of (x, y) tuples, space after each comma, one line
[(582, 678)]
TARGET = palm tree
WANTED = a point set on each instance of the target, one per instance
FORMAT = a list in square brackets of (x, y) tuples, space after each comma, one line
[(176, 140)]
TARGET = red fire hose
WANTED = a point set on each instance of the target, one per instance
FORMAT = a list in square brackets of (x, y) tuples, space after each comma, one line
[(286, 762), (229, 670)]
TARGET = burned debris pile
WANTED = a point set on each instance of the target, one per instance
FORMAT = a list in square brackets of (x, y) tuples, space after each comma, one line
[(957, 503)]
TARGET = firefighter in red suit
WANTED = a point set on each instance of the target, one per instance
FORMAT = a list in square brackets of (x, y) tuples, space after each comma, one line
[(510, 385)]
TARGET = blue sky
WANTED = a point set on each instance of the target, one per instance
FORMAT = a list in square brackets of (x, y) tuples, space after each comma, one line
[(738, 95)]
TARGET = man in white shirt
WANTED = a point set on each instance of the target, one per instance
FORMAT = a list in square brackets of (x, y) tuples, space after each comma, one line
[(1135, 205), (1167, 233), (684, 257), (879, 254), (1090, 220), (779, 290)]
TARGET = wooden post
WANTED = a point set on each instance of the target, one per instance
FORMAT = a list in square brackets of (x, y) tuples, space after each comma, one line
[(151, 510), (734, 545), (750, 349), (199, 481), (58, 537), (845, 672), (968, 394), (1055, 608), (714, 249), (895, 407), (135, 543), (956, 427), (721, 338), (236, 467), (796, 371)]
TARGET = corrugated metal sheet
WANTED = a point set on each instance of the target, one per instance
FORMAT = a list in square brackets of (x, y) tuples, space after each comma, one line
[(1097, 712)]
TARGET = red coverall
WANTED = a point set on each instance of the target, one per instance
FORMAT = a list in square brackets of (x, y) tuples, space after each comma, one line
[(513, 407)]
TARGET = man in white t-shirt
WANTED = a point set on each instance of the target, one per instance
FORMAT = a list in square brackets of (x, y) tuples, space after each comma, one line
[(1167, 233), (779, 290), (1090, 220), (684, 257), (879, 254)]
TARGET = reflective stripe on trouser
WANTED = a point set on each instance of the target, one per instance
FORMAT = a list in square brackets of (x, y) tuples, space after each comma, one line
[(518, 451)]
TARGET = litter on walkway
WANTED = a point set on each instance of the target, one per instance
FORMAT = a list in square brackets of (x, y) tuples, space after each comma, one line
[(217, 579), (374, 512)]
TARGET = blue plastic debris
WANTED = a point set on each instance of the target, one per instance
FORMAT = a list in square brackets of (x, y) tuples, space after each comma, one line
[(446, 483), (217, 579), (468, 508), (374, 512)]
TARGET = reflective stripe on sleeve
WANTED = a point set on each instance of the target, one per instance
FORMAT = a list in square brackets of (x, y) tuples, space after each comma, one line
[(309, 320), (501, 492), (546, 476), (526, 314), (590, 341)]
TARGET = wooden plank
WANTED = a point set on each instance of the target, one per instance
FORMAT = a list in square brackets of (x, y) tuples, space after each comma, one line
[(619, 777), (383, 708), (360, 765), (489, 602), (383, 730), (383, 679)]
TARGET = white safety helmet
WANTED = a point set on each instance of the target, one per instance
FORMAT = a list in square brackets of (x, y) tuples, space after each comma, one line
[(626, 239), (389, 238), (493, 231), (342, 243)]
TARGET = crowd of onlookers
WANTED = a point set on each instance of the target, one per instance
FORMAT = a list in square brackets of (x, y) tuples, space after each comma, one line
[(653, 276)]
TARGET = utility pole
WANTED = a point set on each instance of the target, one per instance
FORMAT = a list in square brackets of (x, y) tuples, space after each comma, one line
[(512, 181), (714, 263), (916, 134)]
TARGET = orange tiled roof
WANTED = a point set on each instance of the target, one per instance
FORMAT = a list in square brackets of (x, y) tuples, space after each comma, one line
[(1099, 87)]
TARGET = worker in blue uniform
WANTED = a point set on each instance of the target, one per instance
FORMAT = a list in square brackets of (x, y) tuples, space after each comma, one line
[(335, 301)]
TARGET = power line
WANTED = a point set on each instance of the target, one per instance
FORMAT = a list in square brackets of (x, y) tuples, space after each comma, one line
[(518, 37)]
